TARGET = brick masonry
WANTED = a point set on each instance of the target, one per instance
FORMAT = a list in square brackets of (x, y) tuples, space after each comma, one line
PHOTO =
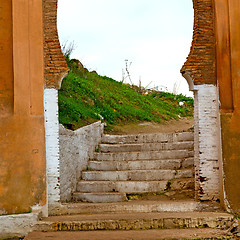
[(201, 62), (200, 72), (55, 64)]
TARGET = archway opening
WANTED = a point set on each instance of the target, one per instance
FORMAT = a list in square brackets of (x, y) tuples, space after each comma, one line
[(156, 37), (149, 36)]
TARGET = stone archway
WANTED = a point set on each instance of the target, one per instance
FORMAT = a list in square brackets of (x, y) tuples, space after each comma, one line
[(199, 71), (213, 61), (212, 73)]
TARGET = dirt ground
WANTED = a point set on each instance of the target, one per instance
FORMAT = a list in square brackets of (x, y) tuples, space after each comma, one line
[(132, 235), (182, 124)]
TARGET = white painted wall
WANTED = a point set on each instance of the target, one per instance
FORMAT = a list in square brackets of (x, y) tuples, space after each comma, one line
[(76, 148), (207, 145), (52, 146)]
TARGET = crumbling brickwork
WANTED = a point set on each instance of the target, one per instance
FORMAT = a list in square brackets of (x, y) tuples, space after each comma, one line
[(201, 62), (55, 64)]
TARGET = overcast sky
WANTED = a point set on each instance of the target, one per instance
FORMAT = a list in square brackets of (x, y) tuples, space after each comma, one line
[(155, 35)]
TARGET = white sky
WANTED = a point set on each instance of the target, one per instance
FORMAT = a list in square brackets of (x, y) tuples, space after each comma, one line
[(155, 35)]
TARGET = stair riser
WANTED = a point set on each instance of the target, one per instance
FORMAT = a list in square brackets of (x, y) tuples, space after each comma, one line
[(133, 187), (136, 224), (140, 165), (145, 147), (142, 175), (132, 156), (149, 138), (99, 198)]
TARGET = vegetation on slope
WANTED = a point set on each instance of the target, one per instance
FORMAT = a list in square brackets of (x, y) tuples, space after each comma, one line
[(86, 97)]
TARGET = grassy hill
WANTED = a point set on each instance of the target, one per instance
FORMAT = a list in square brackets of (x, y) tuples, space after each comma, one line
[(86, 97)]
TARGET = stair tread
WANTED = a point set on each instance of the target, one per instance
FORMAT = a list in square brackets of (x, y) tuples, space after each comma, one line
[(160, 205), (132, 216), (133, 170), (156, 151), (140, 144), (130, 181), (142, 160)]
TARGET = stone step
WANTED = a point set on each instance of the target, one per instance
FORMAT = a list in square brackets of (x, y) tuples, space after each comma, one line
[(145, 206), (145, 147), (136, 175), (99, 197), (149, 138), (152, 155), (141, 165), (135, 221), (134, 186), (192, 233)]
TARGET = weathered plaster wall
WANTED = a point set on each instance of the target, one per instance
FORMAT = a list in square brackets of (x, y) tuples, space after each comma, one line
[(228, 75), (6, 63), (76, 147), (207, 145), (22, 140)]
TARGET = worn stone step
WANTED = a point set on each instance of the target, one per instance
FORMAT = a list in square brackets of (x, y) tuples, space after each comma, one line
[(134, 186), (99, 197), (136, 175), (141, 165), (145, 206), (145, 147), (149, 138), (135, 221), (152, 155)]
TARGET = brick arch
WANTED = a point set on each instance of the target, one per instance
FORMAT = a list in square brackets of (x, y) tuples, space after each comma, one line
[(55, 65), (212, 71), (201, 61)]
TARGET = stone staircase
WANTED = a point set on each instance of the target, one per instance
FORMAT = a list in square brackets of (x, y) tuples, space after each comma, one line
[(144, 163), (137, 164)]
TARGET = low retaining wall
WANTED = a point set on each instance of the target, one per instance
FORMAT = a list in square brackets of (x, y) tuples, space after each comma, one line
[(76, 147), (18, 224)]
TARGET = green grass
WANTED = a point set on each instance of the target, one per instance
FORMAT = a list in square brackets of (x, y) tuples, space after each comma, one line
[(86, 97)]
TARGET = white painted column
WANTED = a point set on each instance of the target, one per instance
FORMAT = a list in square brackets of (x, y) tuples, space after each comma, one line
[(207, 153), (196, 142), (52, 147)]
